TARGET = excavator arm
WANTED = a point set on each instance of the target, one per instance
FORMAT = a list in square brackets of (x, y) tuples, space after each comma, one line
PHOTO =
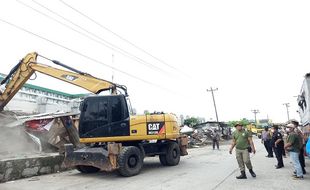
[(19, 75)]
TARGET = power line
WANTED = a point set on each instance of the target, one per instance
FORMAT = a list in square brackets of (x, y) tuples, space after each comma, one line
[(81, 54), (110, 45), (100, 41), (120, 37), (61, 23)]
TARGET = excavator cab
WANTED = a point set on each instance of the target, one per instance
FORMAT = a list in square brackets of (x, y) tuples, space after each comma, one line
[(104, 116)]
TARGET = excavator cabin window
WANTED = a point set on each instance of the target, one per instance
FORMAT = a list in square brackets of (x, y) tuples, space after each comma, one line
[(104, 116)]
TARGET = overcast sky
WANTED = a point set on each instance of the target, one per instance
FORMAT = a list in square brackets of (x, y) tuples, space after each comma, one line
[(255, 52)]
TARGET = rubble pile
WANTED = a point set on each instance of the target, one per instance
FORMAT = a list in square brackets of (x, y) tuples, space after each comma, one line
[(29, 144), (13, 139), (201, 136), (31, 134), (196, 137)]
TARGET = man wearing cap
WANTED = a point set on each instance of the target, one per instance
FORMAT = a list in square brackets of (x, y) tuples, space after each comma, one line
[(293, 146), (242, 140), (302, 145), (277, 145)]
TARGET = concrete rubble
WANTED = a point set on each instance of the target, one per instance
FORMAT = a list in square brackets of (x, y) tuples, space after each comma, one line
[(30, 145), (201, 135), (196, 137)]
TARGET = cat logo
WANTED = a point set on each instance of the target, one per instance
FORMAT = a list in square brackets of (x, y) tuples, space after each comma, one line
[(69, 77), (155, 128)]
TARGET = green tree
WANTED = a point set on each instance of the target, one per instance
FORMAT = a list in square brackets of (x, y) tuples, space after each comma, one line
[(191, 121), (243, 121)]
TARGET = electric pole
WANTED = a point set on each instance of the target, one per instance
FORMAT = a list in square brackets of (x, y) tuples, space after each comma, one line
[(287, 105), (212, 92), (255, 111), (113, 66)]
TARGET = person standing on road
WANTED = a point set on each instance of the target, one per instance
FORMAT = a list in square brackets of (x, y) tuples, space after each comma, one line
[(243, 142), (215, 139), (293, 146), (266, 140), (282, 131), (278, 146), (302, 146)]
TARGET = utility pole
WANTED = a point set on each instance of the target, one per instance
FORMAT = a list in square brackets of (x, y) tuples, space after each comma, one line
[(113, 66), (212, 92), (255, 111), (287, 105)]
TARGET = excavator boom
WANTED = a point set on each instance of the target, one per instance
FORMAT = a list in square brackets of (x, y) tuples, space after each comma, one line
[(28, 65)]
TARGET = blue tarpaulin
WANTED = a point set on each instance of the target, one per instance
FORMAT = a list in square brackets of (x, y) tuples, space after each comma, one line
[(308, 147)]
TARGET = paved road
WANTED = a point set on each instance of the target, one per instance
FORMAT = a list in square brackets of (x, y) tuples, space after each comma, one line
[(203, 169)]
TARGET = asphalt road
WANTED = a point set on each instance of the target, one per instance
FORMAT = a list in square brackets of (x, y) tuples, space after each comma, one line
[(202, 169)]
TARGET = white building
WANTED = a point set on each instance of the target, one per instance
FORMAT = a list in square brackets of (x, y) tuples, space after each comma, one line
[(35, 99)]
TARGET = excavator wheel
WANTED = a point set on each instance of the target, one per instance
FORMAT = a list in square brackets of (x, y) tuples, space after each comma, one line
[(162, 159), (171, 156), (130, 161), (87, 169)]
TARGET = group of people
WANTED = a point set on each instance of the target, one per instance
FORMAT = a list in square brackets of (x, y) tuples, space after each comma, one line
[(295, 144), (274, 144)]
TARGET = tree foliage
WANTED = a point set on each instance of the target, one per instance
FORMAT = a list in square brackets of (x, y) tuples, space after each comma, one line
[(243, 121), (191, 121)]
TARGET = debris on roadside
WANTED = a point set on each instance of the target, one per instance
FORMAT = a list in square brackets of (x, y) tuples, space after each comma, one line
[(196, 137), (186, 130), (200, 135), (14, 142), (26, 134)]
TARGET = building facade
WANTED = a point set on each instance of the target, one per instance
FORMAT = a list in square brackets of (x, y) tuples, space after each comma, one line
[(36, 99)]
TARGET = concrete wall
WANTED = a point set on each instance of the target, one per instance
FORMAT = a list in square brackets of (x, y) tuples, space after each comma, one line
[(17, 168)]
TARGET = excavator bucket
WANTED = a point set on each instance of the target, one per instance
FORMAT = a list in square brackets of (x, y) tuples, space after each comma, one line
[(98, 157)]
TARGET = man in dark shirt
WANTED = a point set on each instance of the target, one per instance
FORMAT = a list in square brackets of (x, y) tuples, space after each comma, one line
[(302, 145), (277, 145), (215, 138), (293, 146)]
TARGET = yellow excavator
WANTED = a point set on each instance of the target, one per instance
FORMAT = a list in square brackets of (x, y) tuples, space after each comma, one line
[(114, 138)]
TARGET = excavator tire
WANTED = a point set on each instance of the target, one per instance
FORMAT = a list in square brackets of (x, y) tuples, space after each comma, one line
[(172, 156), (162, 157), (163, 161), (87, 169), (130, 161)]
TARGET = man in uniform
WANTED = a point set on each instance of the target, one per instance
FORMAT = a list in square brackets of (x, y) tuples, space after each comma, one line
[(277, 145), (242, 140), (293, 146)]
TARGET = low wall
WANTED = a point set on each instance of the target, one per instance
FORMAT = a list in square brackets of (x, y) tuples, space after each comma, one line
[(17, 168)]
